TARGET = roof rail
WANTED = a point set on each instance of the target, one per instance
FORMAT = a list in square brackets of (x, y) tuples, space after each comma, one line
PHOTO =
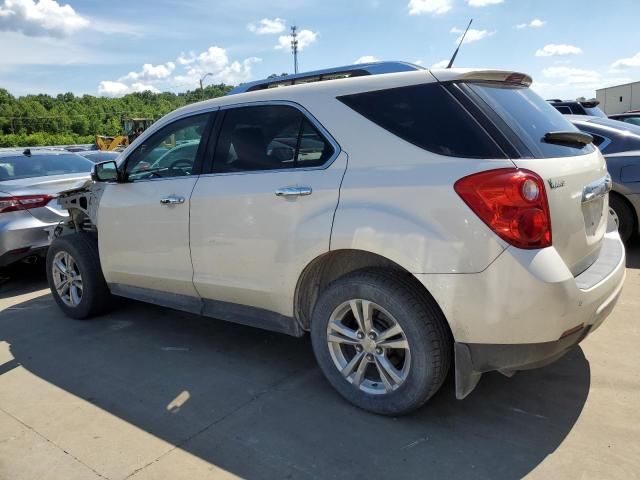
[(357, 70)]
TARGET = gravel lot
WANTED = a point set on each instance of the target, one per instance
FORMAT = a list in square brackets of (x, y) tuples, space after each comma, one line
[(149, 393)]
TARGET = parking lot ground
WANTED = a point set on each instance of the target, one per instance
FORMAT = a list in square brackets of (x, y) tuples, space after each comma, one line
[(150, 393)]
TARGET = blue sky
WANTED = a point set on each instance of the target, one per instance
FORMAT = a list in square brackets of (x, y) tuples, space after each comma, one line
[(570, 47)]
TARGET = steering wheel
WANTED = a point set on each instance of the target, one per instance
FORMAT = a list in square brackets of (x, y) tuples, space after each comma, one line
[(179, 166)]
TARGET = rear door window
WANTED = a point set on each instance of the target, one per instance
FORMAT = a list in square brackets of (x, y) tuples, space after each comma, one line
[(427, 116), (528, 116), (269, 137)]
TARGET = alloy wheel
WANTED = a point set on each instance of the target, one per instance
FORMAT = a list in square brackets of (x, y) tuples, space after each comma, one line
[(614, 215), (368, 347), (67, 279)]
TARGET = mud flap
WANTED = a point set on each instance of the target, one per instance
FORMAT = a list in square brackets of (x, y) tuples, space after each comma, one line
[(466, 377)]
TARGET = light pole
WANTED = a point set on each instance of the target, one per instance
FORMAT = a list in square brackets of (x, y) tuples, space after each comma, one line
[(202, 80)]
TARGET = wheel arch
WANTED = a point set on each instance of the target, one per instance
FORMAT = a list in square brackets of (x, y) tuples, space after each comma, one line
[(326, 268)]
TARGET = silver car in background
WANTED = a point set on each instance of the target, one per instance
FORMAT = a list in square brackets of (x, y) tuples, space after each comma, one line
[(619, 142), (29, 184)]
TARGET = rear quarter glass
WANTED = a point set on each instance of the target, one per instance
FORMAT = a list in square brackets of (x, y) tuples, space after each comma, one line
[(427, 116)]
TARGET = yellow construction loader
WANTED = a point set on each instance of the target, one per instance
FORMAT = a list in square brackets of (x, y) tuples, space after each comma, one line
[(131, 128)]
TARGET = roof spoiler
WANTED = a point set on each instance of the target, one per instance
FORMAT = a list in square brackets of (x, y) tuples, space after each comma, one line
[(512, 78)]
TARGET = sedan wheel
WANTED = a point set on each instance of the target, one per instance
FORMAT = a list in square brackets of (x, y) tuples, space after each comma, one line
[(67, 279)]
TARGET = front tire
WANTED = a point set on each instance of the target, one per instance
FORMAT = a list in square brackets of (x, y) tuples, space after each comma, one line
[(382, 343), (75, 276)]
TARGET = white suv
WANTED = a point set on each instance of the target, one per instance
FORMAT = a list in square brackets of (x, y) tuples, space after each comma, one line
[(411, 222)]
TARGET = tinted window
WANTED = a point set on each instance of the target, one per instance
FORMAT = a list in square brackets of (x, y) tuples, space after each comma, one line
[(169, 152), (313, 149), (98, 157), (632, 120), (530, 117), (268, 138), (564, 110), (42, 165), (623, 136), (595, 111), (428, 117)]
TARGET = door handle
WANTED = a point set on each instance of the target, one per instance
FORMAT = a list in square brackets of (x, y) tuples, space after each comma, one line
[(293, 191), (172, 201)]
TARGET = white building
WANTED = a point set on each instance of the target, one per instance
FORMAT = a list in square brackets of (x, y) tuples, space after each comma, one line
[(619, 99)]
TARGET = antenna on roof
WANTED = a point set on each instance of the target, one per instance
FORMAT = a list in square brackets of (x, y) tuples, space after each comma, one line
[(455, 54), (294, 48)]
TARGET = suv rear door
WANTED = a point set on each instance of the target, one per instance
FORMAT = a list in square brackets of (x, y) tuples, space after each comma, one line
[(144, 221), (575, 174), (265, 208)]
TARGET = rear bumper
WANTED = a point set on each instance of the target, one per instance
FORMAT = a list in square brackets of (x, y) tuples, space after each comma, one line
[(529, 296), (473, 359), (526, 309), (21, 236)]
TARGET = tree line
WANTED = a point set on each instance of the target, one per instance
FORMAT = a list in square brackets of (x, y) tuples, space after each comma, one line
[(36, 120)]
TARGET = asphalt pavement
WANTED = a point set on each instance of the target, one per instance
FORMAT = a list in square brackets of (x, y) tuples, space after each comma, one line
[(150, 393)]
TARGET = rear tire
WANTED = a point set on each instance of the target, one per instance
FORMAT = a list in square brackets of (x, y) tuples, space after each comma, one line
[(384, 379), (75, 276), (626, 218)]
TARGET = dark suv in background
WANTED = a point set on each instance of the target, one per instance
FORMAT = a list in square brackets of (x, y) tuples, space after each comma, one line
[(574, 107)]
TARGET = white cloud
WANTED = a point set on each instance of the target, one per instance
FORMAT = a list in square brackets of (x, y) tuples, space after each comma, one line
[(305, 38), (569, 82), (40, 18), (215, 60), (535, 23), (366, 59), (184, 73), (118, 89), (186, 59), (437, 7), (553, 49), (440, 64), (112, 89), (572, 75), (268, 26), (473, 35), (151, 72), (623, 63), (483, 3), (418, 62)]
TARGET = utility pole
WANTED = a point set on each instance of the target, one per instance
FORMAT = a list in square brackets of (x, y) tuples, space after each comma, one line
[(294, 48)]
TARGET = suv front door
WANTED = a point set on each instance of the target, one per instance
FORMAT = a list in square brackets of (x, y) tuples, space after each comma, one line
[(265, 210), (144, 221)]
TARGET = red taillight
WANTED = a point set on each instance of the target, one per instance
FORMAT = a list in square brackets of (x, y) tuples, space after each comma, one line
[(23, 202), (513, 203)]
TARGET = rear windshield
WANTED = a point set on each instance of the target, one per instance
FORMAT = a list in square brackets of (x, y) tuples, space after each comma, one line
[(595, 111), (39, 165), (530, 117), (427, 116)]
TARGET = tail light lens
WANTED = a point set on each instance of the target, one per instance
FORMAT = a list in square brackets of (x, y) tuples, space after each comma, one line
[(23, 202), (513, 203)]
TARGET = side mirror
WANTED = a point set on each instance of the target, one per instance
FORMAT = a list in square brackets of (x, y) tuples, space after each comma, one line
[(105, 172)]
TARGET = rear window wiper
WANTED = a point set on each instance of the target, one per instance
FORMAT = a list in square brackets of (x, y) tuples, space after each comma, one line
[(570, 139)]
